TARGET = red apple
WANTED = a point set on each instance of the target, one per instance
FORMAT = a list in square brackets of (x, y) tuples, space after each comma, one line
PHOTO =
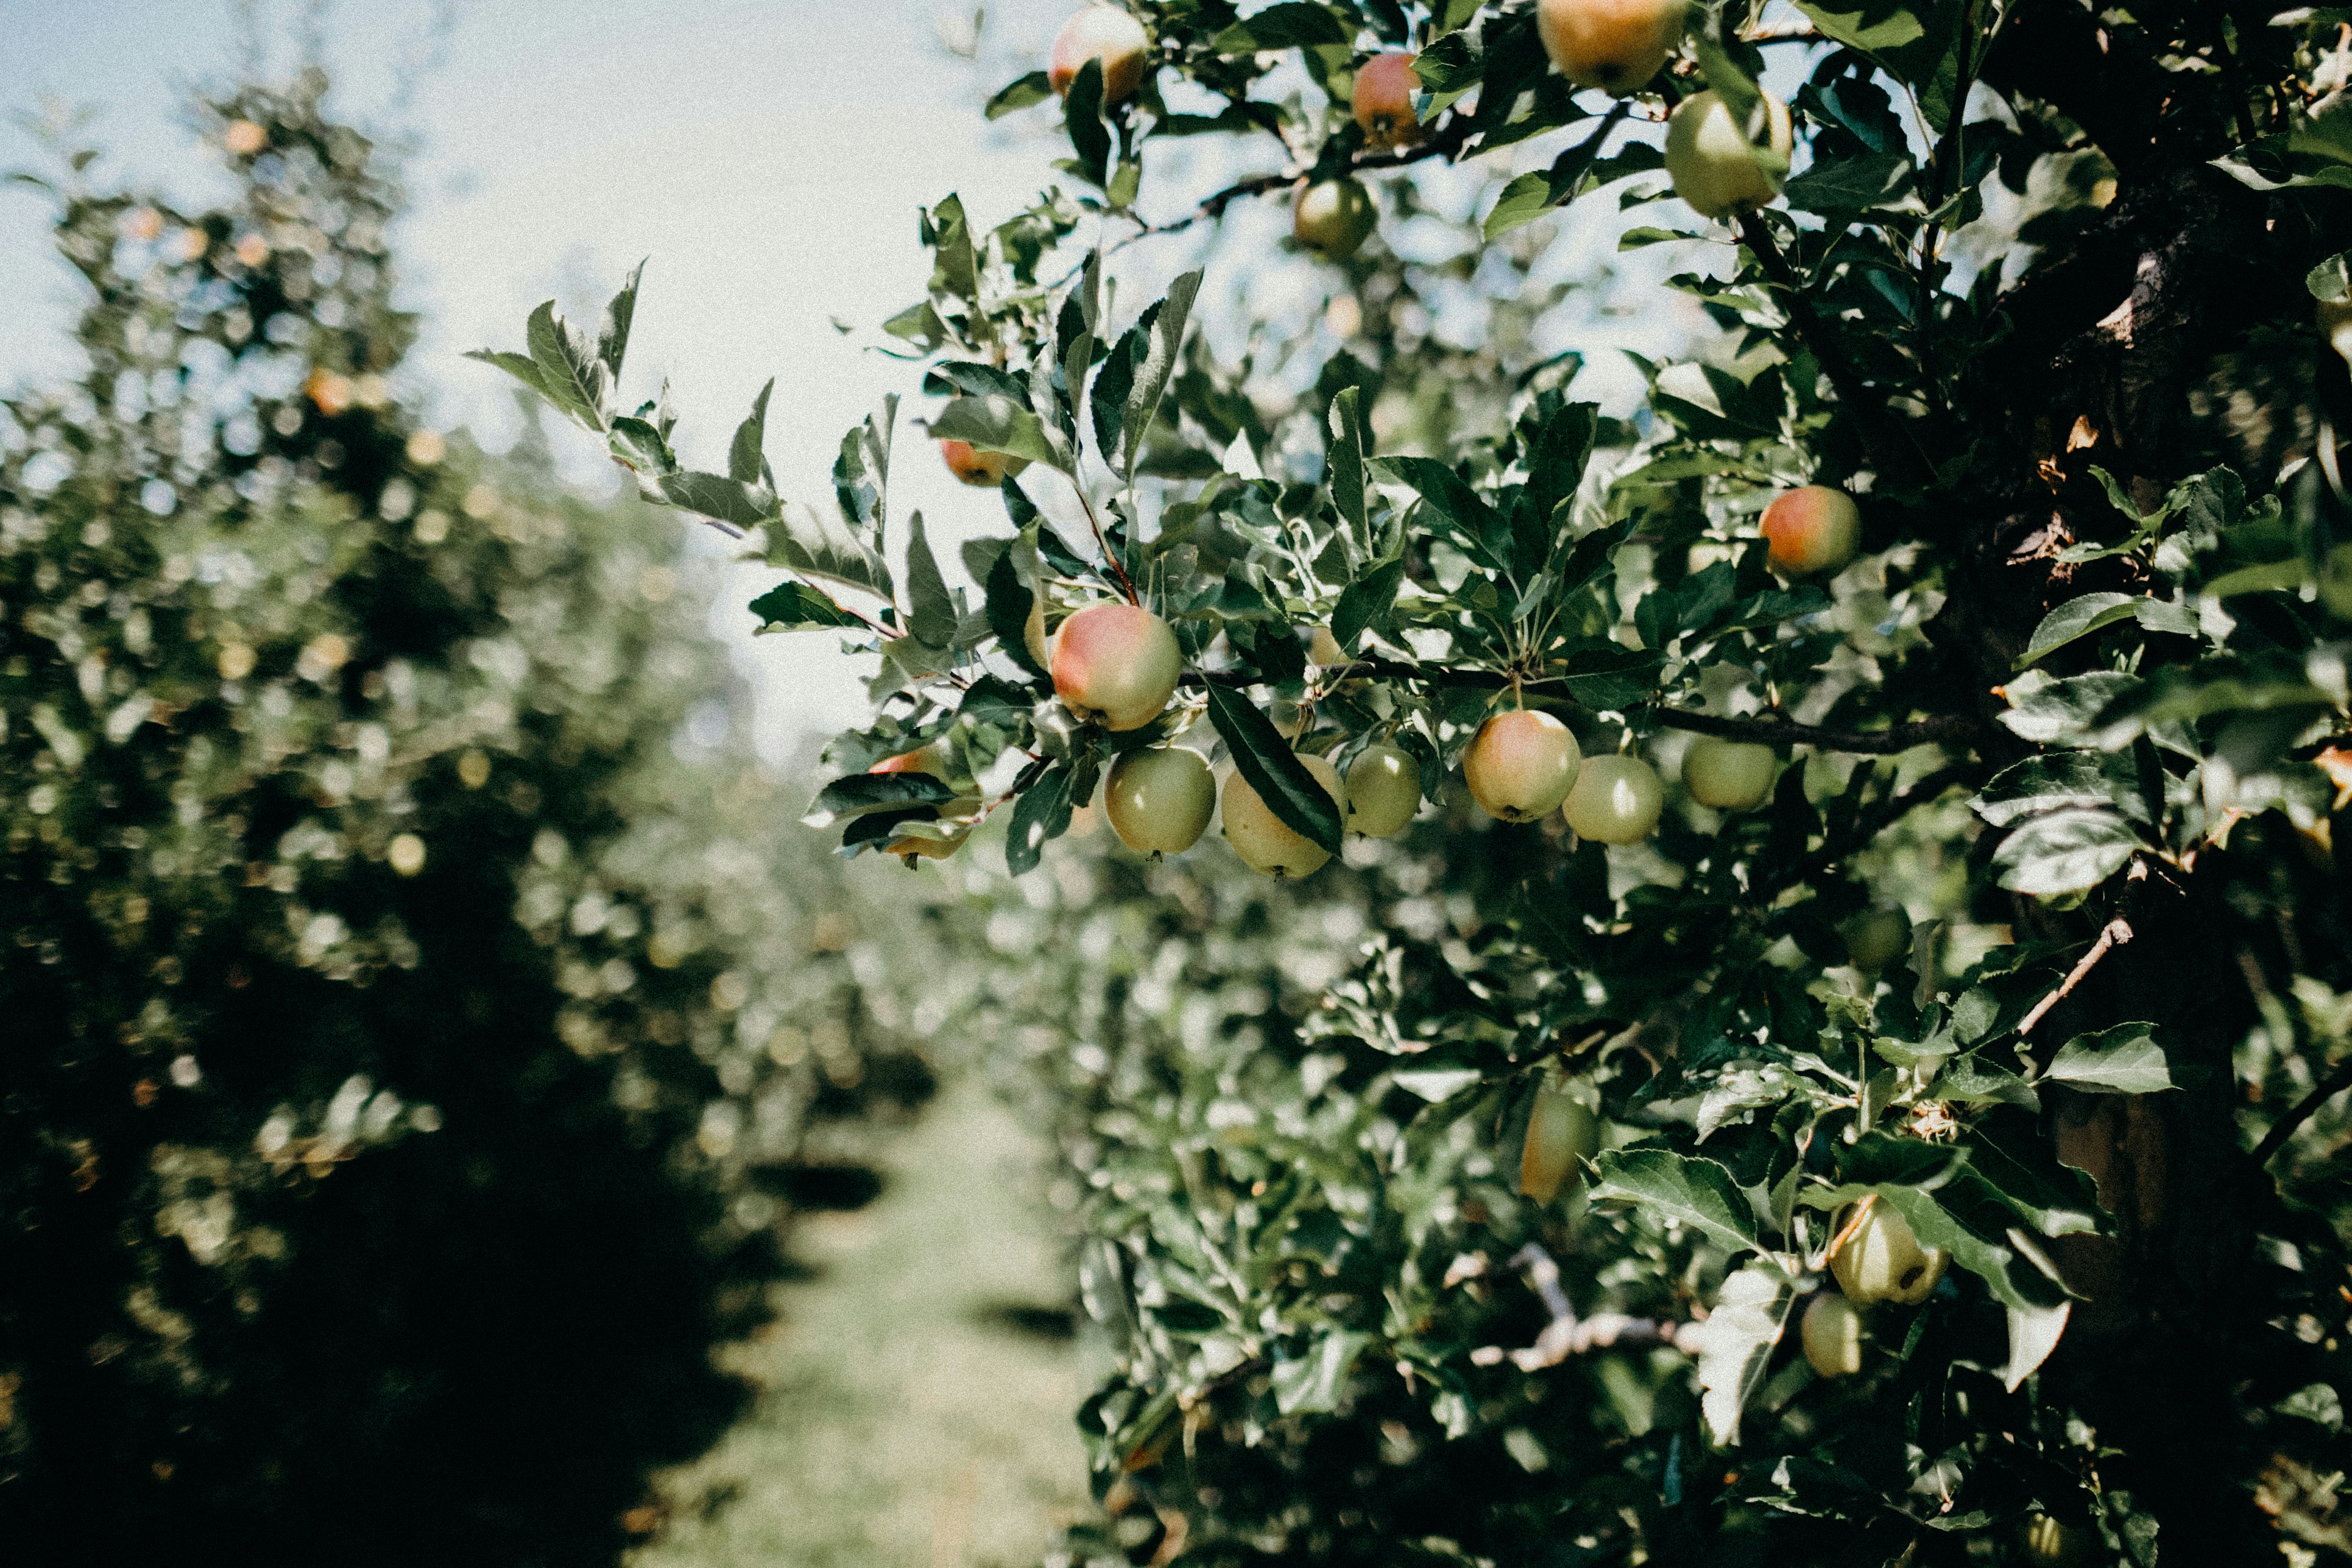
[(977, 468), (1810, 531), (1385, 86), (1116, 665)]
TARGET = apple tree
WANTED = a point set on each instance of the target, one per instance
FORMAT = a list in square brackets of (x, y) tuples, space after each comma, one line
[(1841, 1069)]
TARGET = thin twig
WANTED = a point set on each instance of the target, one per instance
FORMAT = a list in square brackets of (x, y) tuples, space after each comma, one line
[(2116, 933), (1566, 1335), (2282, 1130)]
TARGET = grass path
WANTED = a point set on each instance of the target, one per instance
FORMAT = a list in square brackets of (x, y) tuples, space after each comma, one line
[(909, 1420)]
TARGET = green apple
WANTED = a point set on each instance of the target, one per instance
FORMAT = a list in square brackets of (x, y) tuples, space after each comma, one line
[(1616, 800), (1159, 799)]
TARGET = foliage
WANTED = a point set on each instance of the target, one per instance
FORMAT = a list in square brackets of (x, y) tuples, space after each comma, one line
[(2040, 293), (408, 1019)]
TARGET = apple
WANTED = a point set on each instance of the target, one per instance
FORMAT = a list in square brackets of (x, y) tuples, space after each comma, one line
[(1712, 163), (1264, 841), (1811, 529), (1729, 776), (1833, 1335), (1383, 792), (1882, 1261), (1116, 665), (1102, 33), (1324, 650), (245, 138), (1616, 45), (977, 468), (2050, 1544), (1521, 766), (1561, 1130), (1384, 102), (1159, 799), (1875, 938), (1616, 800), (1333, 218)]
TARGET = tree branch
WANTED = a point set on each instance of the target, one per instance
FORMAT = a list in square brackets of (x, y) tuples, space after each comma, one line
[(1953, 729), (2282, 1130), (2116, 933)]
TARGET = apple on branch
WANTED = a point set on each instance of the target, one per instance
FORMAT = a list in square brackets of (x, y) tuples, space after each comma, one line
[(1382, 102), (1116, 665), (1334, 217), (1616, 800), (1616, 45), (1159, 799), (1266, 843), (1521, 766), (1383, 792), (1713, 162), (978, 467), (1811, 531)]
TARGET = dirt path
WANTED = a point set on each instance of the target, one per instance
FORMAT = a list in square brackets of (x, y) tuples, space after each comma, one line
[(915, 1415)]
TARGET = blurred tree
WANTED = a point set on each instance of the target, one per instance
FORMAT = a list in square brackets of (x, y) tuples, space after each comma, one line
[(415, 1017)]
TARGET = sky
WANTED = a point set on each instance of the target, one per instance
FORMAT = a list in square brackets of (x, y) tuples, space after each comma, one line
[(766, 159)]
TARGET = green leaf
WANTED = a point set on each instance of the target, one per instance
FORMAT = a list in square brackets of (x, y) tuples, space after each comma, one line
[(2033, 1333), (1695, 1191), (2055, 781), (1729, 80), (2330, 282), (861, 793), (1020, 93), (1082, 112), (522, 367), (956, 270), (1315, 1381), (2050, 711), (1008, 602), (996, 424), (1874, 27), (731, 501), (1737, 1343), (2065, 851), (1157, 365), (745, 461), (1042, 814), (575, 379), (639, 445), (1476, 524), (1344, 460), (1849, 185), (1368, 601), (800, 540), (1292, 25), (2125, 1060), (1264, 759), (2077, 617), (613, 331), (790, 607), (930, 609)]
